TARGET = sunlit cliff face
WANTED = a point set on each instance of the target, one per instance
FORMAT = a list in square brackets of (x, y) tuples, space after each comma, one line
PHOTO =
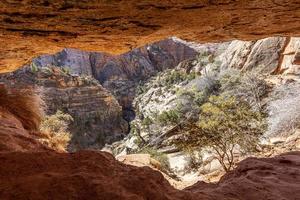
[(30, 28)]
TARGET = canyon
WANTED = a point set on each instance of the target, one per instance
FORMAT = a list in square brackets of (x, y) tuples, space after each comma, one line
[(138, 81)]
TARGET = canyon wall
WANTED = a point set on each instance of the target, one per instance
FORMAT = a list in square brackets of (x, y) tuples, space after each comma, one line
[(97, 114), (275, 55), (102, 105), (122, 73)]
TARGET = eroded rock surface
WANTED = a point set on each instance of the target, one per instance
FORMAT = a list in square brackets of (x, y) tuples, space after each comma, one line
[(275, 55), (95, 175), (30, 28), (13, 136)]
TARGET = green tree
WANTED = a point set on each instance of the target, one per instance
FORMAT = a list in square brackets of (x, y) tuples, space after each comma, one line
[(224, 125)]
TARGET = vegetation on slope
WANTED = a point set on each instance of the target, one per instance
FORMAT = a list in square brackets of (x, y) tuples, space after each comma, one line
[(54, 130), (199, 106)]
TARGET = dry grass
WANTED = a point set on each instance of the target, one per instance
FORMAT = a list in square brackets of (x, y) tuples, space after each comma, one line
[(56, 141), (54, 131), (24, 104)]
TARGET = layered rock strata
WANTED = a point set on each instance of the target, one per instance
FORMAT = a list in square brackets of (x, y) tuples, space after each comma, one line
[(31, 28), (97, 114)]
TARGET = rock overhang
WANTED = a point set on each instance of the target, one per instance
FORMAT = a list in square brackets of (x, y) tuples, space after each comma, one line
[(31, 28)]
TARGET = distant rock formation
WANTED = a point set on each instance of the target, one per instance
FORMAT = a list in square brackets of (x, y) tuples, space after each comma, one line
[(275, 55), (120, 74), (67, 82)]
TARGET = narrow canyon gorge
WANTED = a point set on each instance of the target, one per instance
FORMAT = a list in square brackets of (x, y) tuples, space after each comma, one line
[(115, 99)]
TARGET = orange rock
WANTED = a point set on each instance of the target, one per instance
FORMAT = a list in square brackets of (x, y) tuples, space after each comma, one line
[(30, 28)]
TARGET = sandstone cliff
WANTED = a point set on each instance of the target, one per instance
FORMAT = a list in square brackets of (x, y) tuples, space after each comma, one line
[(97, 114), (96, 175)]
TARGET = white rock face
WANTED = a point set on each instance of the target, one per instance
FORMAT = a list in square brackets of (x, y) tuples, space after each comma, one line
[(277, 55), (262, 54), (236, 54), (289, 64), (178, 162)]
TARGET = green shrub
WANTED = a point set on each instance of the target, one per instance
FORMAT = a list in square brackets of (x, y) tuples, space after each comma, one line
[(66, 70), (34, 68), (160, 157), (169, 117), (177, 76), (146, 122), (248, 86)]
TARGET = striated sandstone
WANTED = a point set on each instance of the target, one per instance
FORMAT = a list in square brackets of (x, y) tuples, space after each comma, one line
[(97, 114), (30, 28)]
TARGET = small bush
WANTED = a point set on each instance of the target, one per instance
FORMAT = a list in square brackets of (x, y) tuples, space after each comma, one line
[(169, 117), (66, 70), (34, 68), (54, 129), (248, 86), (146, 122), (160, 157)]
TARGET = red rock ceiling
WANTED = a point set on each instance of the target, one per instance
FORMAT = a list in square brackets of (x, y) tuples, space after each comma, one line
[(32, 27)]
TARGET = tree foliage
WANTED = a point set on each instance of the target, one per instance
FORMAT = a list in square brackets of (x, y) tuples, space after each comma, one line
[(248, 86), (224, 125)]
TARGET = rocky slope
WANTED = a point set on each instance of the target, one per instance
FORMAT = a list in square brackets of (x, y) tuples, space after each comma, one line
[(31, 28), (95, 175), (175, 92), (14, 137), (35, 172)]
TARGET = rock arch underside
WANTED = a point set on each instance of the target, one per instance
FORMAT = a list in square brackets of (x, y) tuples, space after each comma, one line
[(31, 28)]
